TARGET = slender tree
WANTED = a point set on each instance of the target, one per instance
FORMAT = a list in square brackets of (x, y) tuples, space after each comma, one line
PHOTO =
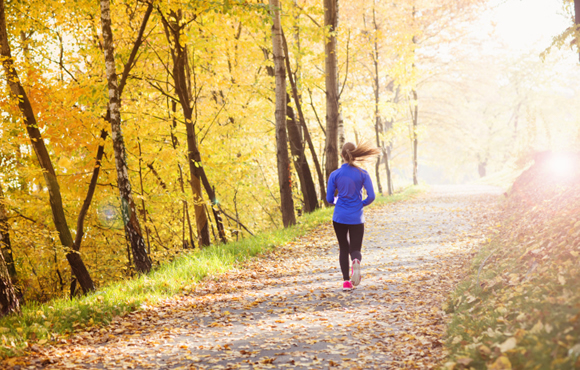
[(300, 163), (284, 176), (386, 149), (182, 82), (19, 94), (104, 134), (298, 103), (577, 21), (8, 298), (174, 143), (9, 302), (331, 74), (377, 91), (5, 244), (414, 107), (129, 210), (296, 142)]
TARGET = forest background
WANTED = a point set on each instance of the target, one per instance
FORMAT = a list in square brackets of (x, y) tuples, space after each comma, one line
[(436, 85)]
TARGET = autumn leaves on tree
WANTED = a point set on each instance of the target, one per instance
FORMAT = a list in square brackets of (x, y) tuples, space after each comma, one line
[(172, 126)]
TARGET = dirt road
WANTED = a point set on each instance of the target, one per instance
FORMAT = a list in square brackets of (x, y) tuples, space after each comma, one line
[(287, 310)]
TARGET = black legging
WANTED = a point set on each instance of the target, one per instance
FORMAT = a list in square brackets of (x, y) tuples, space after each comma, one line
[(350, 239)]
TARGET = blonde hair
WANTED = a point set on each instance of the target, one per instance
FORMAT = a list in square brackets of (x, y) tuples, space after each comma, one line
[(364, 151)]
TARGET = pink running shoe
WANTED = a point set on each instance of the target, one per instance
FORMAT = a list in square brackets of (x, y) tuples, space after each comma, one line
[(355, 274), (347, 285)]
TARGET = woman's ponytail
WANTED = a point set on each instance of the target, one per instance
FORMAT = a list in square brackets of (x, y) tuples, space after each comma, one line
[(364, 151)]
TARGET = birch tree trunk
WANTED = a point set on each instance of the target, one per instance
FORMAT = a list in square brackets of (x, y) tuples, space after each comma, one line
[(284, 175), (414, 109), (17, 91), (101, 148), (340, 130), (128, 208), (415, 140), (331, 146)]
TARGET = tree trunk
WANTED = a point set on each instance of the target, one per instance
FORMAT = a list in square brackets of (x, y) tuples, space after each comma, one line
[(300, 163), (284, 175), (59, 218), (388, 171), (331, 71), (377, 91), (104, 134), (128, 208), (173, 30), (415, 110), (481, 168), (8, 279), (386, 155), (577, 21), (5, 244), (296, 143), (202, 223), (298, 103), (174, 142), (9, 291), (378, 126), (340, 131)]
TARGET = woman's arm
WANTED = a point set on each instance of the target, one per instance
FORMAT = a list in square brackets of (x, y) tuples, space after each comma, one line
[(330, 189), (368, 185)]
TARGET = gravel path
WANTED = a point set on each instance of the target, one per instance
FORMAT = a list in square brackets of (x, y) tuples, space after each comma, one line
[(287, 310)]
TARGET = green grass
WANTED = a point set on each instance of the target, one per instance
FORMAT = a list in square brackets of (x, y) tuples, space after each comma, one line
[(44, 322)]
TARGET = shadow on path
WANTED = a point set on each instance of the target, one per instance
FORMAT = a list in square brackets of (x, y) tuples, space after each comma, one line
[(287, 310)]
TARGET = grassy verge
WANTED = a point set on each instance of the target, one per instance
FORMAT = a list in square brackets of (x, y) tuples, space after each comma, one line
[(40, 323)]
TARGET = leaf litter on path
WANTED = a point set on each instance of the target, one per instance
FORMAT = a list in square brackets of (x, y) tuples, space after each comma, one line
[(286, 309)]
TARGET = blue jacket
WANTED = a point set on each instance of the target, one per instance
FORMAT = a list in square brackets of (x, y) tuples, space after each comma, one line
[(349, 204)]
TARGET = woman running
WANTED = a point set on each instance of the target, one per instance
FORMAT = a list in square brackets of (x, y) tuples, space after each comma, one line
[(348, 218)]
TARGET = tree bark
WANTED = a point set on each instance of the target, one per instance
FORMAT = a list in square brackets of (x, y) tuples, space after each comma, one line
[(182, 82), (577, 21), (17, 91), (481, 168), (182, 89), (174, 143), (298, 103), (284, 174), (5, 244), (378, 126), (101, 148), (415, 110), (300, 163), (331, 71), (296, 142), (388, 171), (128, 208), (340, 130), (8, 301), (386, 155), (9, 292)]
